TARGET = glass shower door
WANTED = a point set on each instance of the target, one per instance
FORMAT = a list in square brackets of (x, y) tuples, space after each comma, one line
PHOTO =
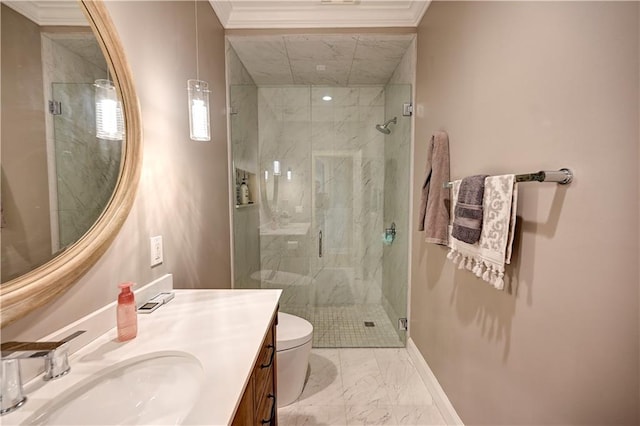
[(347, 159), (87, 168), (333, 218), (322, 211)]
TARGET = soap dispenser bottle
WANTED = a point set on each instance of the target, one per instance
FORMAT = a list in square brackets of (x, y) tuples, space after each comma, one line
[(126, 315)]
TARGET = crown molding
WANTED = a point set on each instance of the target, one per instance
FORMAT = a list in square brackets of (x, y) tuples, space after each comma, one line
[(246, 14), (50, 12)]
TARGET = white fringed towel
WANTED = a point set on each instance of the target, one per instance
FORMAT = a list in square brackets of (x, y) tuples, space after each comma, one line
[(487, 258)]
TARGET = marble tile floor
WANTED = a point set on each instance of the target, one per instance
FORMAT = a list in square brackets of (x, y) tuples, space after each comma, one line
[(343, 326), (362, 387)]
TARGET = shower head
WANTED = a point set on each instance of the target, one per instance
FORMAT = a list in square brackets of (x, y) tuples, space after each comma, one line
[(384, 128)]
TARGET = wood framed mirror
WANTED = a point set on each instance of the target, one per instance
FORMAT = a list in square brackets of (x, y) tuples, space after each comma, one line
[(33, 289)]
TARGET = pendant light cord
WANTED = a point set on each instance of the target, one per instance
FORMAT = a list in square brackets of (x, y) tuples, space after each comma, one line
[(197, 59)]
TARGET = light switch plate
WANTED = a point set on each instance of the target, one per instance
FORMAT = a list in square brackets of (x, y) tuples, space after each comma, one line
[(157, 256)]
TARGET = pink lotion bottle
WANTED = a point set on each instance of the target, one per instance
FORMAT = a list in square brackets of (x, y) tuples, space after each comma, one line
[(126, 314)]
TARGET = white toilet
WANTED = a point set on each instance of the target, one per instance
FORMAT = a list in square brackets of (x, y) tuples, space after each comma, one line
[(293, 346)]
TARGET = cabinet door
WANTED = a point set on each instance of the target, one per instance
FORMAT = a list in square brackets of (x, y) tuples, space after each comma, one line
[(267, 411), (258, 406), (264, 369), (264, 385)]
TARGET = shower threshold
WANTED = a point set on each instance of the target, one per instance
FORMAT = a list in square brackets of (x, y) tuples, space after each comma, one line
[(344, 326)]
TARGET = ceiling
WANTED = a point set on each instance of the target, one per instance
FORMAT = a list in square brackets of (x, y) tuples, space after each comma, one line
[(80, 41), (49, 12), (261, 13), (319, 13), (286, 59), (318, 59)]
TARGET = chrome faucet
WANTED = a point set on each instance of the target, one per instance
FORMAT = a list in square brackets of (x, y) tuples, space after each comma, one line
[(56, 364)]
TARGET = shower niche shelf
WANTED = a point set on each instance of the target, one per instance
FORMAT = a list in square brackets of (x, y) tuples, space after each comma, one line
[(251, 181)]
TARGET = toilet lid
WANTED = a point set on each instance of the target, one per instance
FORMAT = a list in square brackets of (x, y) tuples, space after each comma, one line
[(292, 331)]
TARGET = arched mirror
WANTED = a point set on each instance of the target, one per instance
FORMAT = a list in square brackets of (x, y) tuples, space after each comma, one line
[(71, 147)]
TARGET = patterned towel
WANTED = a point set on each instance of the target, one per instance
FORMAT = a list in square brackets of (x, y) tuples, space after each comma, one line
[(487, 257), (467, 215)]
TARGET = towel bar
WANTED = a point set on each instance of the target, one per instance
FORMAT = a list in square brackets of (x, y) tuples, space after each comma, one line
[(562, 176)]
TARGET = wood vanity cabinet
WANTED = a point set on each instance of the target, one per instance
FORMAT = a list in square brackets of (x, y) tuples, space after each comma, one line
[(258, 406)]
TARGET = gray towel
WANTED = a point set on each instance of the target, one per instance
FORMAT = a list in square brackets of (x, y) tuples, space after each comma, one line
[(467, 216), (435, 203)]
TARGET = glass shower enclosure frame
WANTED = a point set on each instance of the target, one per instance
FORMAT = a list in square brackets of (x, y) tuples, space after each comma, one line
[(330, 184)]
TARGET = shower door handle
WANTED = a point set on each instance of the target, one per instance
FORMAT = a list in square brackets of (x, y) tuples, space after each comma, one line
[(320, 244)]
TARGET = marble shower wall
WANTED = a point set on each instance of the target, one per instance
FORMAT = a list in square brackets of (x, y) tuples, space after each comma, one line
[(396, 190), (243, 98), (284, 123), (83, 170), (336, 158)]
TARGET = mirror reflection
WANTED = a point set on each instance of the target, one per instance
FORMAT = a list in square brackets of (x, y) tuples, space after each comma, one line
[(62, 134)]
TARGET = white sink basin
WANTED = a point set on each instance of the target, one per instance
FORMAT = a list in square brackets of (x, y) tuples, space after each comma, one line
[(153, 389)]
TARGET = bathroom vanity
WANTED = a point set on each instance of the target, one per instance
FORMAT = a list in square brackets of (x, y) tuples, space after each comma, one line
[(258, 405), (206, 357)]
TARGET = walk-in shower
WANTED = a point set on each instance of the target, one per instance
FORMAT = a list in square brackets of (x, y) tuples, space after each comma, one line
[(384, 128), (324, 183)]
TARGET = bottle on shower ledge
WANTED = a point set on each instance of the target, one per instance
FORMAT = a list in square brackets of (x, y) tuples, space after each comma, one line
[(285, 218), (238, 197), (244, 192), (127, 317)]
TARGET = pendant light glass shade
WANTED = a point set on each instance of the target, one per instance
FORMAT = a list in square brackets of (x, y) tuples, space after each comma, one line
[(199, 110), (109, 120)]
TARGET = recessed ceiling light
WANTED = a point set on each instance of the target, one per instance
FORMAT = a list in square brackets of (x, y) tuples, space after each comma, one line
[(321, 67), (326, 98)]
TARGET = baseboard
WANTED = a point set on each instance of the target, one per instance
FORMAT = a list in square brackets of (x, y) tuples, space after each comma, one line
[(440, 399)]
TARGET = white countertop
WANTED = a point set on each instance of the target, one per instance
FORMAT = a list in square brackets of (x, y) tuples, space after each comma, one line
[(224, 329)]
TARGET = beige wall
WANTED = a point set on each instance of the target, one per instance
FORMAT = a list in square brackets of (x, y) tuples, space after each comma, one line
[(26, 231), (183, 193), (519, 87)]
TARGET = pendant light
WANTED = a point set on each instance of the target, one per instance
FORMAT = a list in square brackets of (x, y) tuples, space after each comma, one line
[(109, 120), (198, 96)]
